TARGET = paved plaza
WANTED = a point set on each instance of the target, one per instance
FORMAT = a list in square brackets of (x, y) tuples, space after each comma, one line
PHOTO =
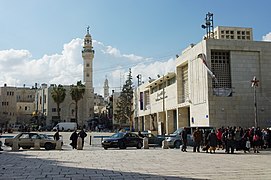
[(93, 162)]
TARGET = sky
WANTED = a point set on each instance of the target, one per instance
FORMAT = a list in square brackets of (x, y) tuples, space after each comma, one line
[(41, 41)]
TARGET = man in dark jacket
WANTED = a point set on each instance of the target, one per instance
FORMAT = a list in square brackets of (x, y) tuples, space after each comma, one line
[(197, 137), (184, 139), (73, 138), (56, 135), (82, 134)]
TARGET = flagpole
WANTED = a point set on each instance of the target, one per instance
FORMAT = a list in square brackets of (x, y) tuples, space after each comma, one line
[(254, 85)]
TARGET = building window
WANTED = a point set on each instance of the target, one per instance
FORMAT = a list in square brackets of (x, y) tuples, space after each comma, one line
[(185, 89), (171, 81), (87, 65), (220, 65), (53, 109), (25, 108), (87, 75)]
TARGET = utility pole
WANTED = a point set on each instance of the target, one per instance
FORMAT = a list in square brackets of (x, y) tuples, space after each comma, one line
[(254, 84), (164, 113)]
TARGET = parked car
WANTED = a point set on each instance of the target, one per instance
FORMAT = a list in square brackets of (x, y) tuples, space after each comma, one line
[(122, 140), (51, 136), (26, 141), (65, 126), (174, 140), (152, 139)]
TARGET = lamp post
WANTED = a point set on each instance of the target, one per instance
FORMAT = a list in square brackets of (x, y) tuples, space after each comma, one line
[(254, 84)]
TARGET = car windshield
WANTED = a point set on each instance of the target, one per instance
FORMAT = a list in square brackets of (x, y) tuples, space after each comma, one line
[(178, 131), (117, 135), (44, 136)]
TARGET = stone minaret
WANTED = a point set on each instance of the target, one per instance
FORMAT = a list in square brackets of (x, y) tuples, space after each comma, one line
[(88, 100), (106, 88)]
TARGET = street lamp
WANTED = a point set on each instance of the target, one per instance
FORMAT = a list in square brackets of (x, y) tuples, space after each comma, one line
[(254, 84)]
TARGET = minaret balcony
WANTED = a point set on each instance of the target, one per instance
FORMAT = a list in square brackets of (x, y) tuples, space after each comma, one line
[(88, 50)]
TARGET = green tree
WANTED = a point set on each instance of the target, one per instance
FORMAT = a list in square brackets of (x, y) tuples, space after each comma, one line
[(58, 94), (125, 105), (77, 92)]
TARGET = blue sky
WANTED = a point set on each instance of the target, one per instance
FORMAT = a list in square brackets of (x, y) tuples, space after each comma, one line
[(41, 41)]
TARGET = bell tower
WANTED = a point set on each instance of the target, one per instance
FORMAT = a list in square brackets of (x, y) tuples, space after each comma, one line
[(88, 55), (106, 88)]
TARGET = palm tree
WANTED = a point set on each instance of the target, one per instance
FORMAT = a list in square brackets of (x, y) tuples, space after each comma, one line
[(58, 94), (77, 92)]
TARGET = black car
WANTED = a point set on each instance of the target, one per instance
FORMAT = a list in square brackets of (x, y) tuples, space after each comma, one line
[(152, 139), (122, 140)]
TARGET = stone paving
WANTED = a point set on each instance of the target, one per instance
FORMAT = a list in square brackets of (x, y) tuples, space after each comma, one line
[(93, 162)]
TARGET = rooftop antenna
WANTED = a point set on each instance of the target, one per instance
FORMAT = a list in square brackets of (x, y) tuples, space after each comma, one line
[(88, 29), (209, 25)]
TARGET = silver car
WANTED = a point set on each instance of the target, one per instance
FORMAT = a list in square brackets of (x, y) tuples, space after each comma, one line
[(175, 140)]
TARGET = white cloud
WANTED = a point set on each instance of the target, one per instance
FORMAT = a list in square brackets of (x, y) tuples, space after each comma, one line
[(18, 67), (133, 57), (64, 68), (267, 37), (116, 52), (112, 51)]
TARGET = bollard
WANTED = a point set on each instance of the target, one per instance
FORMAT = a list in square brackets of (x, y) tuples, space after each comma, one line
[(164, 145), (37, 144), (15, 146), (58, 145), (1, 146), (89, 140), (79, 144), (145, 143)]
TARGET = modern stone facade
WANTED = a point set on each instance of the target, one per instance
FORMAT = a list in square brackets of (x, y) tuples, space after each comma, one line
[(199, 98)]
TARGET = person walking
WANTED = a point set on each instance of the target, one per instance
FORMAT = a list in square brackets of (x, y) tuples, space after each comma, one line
[(230, 141), (73, 138), (184, 139), (257, 139), (82, 134), (197, 137), (56, 135), (212, 141)]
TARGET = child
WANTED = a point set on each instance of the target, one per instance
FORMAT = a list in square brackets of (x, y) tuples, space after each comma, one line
[(248, 145)]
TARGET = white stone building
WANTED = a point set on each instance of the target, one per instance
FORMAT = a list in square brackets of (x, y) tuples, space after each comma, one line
[(16, 104), (196, 98)]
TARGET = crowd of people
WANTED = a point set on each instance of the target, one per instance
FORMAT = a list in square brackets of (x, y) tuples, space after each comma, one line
[(229, 139)]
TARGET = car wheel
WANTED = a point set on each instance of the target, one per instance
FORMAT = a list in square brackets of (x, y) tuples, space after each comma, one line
[(26, 147), (139, 145), (48, 146), (105, 148), (122, 145), (177, 144)]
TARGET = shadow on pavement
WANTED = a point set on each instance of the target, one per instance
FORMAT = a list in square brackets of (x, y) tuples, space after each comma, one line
[(14, 165)]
